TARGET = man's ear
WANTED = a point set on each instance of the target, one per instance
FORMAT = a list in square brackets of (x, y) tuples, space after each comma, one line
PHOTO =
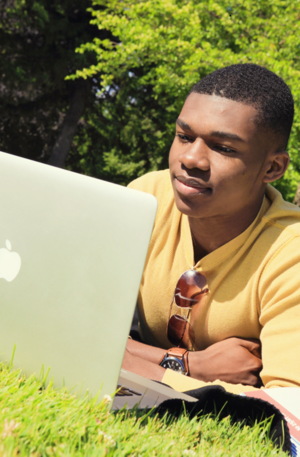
[(276, 166)]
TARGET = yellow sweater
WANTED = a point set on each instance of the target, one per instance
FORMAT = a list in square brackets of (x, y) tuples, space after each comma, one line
[(253, 280)]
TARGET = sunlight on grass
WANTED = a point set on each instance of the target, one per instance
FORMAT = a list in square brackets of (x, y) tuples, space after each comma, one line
[(39, 421)]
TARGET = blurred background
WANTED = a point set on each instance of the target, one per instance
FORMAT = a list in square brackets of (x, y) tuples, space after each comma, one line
[(95, 87)]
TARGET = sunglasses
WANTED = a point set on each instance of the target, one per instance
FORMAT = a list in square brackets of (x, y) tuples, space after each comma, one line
[(189, 291)]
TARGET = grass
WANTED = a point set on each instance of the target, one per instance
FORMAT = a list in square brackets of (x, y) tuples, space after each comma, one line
[(39, 421)]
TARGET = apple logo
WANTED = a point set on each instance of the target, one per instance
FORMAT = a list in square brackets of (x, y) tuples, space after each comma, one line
[(10, 263)]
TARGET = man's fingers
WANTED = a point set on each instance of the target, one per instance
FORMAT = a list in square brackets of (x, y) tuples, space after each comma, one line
[(254, 381), (253, 345)]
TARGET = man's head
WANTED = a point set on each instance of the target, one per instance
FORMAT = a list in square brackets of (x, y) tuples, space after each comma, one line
[(230, 141), (256, 86)]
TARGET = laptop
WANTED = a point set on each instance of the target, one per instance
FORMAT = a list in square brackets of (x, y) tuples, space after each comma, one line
[(72, 252)]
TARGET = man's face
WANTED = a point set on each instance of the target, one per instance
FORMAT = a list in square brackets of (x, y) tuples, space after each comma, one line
[(218, 157)]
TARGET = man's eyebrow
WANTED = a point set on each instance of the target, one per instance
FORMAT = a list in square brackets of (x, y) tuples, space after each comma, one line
[(226, 135), (217, 133), (183, 125)]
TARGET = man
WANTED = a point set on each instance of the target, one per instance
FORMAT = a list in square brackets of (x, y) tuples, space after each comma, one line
[(221, 222)]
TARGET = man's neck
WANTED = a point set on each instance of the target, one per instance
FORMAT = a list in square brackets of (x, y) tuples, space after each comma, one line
[(211, 233)]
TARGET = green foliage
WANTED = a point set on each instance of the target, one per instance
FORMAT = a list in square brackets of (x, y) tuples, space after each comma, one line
[(38, 39), (123, 136), (39, 421), (161, 48)]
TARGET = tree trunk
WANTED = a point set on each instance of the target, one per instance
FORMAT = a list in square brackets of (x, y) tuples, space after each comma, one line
[(297, 196), (64, 140)]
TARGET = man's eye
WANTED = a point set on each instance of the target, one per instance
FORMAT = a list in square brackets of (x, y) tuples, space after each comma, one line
[(185, 138), (224, 149)]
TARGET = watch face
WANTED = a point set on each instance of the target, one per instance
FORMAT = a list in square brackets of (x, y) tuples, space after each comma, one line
[(173, 364)]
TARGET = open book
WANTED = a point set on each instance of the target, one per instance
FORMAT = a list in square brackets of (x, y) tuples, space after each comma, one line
[(137, 390), (287, 400)]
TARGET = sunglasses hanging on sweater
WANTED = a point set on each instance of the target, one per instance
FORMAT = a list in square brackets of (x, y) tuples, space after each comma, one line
[(189, 292)]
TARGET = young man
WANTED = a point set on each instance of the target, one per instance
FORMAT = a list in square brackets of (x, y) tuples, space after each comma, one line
[(220, 297)]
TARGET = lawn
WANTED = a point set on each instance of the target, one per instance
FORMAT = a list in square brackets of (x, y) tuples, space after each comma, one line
[(39, 421)]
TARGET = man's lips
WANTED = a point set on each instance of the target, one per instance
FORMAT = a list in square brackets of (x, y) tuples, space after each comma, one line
[(190, 186)]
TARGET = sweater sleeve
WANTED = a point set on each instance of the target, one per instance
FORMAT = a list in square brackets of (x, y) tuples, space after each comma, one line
[(279, 303), (279, 298), (183, 383)]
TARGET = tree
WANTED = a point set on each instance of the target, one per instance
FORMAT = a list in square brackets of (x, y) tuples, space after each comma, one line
[(163, 48), (40, 109)]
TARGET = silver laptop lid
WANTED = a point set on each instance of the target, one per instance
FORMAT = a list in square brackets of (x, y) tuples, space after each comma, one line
[(72, 254)]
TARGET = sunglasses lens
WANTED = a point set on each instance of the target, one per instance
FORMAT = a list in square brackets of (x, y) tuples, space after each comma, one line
[(180, 332), (190, 288)]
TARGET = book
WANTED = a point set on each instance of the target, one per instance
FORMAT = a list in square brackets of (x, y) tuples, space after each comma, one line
[(287, 400), (137, 390)]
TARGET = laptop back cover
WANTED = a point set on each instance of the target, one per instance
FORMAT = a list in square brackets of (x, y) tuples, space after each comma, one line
[(81, 244)]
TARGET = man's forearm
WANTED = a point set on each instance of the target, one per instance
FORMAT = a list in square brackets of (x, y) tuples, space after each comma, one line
[(142, 367), (144, 351), (234, 360)]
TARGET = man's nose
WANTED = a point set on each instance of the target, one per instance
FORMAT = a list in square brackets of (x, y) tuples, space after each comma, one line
[(196, 156)]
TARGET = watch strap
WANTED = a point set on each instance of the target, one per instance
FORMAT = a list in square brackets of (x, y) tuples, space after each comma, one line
[(179, 353)]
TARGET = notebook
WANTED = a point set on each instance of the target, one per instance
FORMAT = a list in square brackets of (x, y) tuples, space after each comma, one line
[(72, 252)]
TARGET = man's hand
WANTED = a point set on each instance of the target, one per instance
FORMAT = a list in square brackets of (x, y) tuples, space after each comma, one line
[(235, 360)]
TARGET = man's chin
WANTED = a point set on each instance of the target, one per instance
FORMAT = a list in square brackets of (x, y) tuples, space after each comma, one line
[(192, 209)]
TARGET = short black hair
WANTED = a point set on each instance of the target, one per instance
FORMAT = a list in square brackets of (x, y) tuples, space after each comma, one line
[(256, 86)]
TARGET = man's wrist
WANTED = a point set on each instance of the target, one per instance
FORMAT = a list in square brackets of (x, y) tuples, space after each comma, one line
[(176, 359), (197, 363)]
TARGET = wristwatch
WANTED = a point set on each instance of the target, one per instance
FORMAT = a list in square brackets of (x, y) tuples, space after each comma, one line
[(176, 359)]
